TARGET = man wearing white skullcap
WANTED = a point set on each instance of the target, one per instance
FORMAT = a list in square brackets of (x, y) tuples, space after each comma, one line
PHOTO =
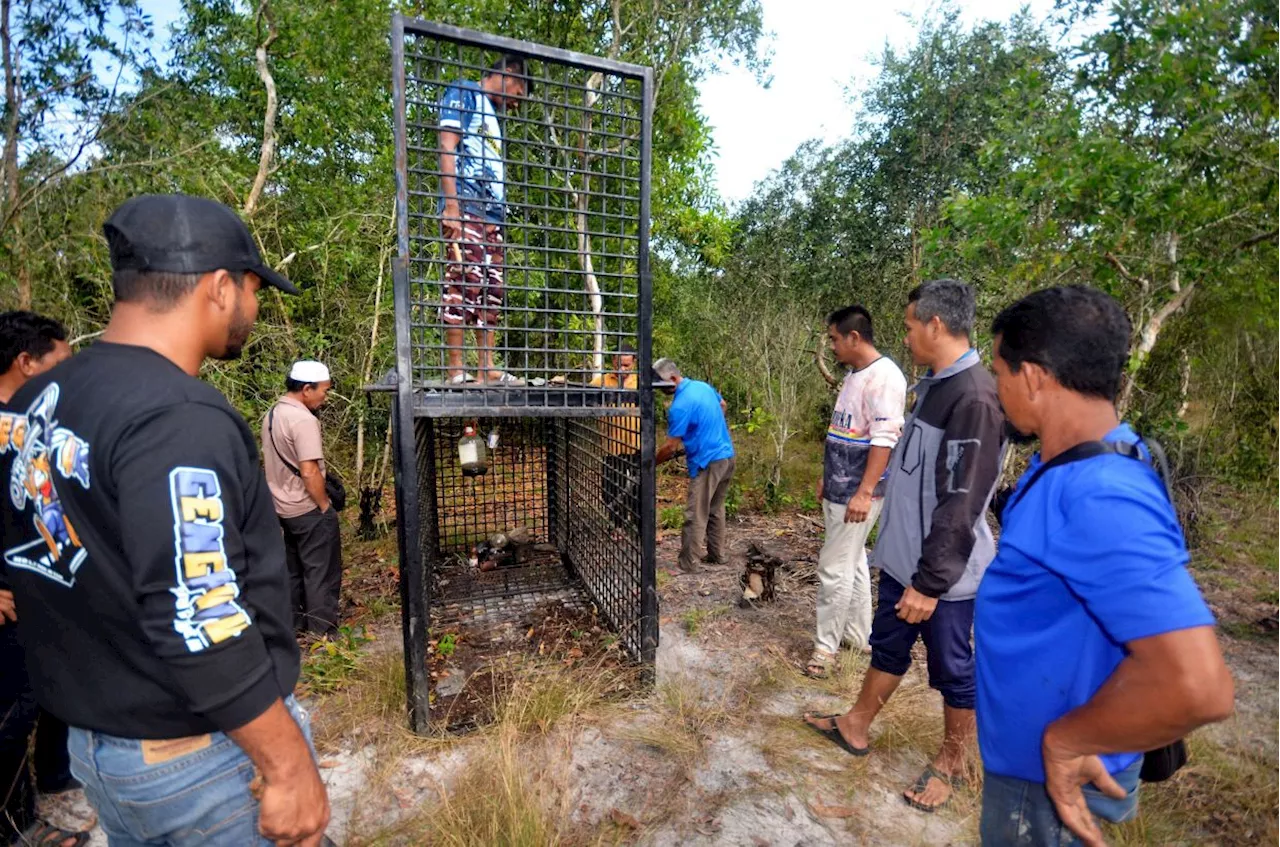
[(293, 453)]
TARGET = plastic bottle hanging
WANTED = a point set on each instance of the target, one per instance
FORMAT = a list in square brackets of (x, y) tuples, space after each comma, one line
[(472, 453)]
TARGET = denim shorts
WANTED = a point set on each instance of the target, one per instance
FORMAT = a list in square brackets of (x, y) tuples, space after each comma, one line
[(1018, 813), (197, 798)]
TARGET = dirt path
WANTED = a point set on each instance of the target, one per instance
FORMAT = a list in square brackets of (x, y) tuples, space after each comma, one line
[(715, 753)]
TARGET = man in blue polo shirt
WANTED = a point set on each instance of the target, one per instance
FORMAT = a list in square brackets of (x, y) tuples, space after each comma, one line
[(696, 423), (1093, 643)]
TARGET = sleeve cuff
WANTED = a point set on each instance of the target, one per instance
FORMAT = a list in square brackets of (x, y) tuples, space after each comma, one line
[(928, 591), (450, 123), (889, 441), (247, 703)]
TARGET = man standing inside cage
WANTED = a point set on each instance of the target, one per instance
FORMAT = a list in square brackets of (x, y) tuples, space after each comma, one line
[(473, 211), (155, 602), (697, 424), (293, 453), (934, 542), (865, 426)]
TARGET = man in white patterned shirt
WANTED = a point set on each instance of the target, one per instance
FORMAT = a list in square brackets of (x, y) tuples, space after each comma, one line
[(865, 426)]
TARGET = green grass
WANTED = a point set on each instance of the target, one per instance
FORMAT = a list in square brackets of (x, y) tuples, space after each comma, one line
[(694, 619), (331, 663), (671, 517)]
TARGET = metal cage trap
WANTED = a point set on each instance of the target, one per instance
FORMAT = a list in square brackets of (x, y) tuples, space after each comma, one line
[(523, 408)]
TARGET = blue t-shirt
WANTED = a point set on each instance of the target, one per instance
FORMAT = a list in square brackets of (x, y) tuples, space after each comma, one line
[(1091, 558), (695, 417), (467, 110)]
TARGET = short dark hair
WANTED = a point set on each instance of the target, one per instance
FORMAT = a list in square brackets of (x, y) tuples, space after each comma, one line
[(292, 385), (26, 332), (854, 318), (162, 288), (949, 300), (512, 65), (1078, 334)]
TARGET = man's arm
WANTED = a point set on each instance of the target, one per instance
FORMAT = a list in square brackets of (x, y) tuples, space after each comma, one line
[(860, 503), (1164, 688), (669, 450), (449, 142), (1121, 553), (313, 480), (183, 538), (293, 800), (967, 469)]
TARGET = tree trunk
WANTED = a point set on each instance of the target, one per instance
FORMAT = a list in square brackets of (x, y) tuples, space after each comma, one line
[(269, 117), (12, 179), (1146, 343)]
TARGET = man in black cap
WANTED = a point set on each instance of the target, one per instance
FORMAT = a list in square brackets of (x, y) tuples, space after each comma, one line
[(146, 558)]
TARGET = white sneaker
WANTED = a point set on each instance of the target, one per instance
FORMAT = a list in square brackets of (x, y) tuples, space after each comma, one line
[(461, 379)]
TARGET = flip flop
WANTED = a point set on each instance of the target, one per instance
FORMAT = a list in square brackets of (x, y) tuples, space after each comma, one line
[(922, 782), (833, 735), (45, 834)]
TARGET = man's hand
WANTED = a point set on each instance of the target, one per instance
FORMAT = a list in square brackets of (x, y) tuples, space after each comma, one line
[(818, 489), (858, 509), (7, 609), (1065, 771), (294, 811), (294, 808), (451, 218), (915, 607)]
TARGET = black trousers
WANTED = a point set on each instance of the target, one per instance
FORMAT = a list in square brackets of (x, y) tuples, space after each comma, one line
[(18, 713), (313, 547)]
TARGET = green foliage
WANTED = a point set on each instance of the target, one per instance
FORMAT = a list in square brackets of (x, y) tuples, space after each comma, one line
[(671, 517), (331, 663)]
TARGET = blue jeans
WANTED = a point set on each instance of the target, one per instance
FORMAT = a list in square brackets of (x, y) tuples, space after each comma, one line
[(946, 641), (1017, 813), (200, 798)]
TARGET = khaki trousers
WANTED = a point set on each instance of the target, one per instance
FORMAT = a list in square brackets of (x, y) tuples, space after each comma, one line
[(704, 514), (844, 582)]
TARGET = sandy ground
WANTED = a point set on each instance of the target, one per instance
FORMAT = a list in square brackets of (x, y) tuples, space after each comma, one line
[(757, 777)]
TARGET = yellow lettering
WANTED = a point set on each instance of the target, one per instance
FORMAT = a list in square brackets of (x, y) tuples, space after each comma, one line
[(216, 597), (197, 508), (221, 629), (199, 564)]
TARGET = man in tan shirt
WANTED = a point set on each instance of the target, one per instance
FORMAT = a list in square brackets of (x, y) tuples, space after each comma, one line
[(294, 456)]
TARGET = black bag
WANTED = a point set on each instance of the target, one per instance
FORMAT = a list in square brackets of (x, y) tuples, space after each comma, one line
[(333, 487), (1163, 762)]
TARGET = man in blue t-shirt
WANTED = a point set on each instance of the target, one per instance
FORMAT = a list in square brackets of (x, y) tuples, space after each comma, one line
[(473, 209), (696, 423), (1093, 643)]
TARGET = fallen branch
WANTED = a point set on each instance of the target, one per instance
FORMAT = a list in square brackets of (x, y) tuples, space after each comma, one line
[(1258, 239)]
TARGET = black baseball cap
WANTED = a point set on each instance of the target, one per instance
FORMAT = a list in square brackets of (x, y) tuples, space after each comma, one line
[(178, 233)]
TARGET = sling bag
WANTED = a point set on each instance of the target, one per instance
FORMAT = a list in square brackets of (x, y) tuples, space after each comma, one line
[(333, 487), (1163, 762)]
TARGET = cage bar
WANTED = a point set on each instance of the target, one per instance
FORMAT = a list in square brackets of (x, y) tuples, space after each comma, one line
[(554, 268)]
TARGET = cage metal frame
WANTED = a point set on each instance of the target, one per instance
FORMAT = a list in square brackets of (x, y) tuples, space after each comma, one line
[(412, 400)]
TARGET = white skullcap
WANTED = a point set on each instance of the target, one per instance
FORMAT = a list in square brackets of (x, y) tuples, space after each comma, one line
[(309, 371)]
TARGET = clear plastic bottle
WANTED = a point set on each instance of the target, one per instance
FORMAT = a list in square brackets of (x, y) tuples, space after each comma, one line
[(472, 453)]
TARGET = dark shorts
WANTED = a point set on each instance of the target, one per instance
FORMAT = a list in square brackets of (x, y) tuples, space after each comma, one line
[(946, 637), (473, 283)]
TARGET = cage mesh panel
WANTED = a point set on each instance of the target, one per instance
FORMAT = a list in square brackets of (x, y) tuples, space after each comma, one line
[(602, 461), (513, 493), (571, 235)]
